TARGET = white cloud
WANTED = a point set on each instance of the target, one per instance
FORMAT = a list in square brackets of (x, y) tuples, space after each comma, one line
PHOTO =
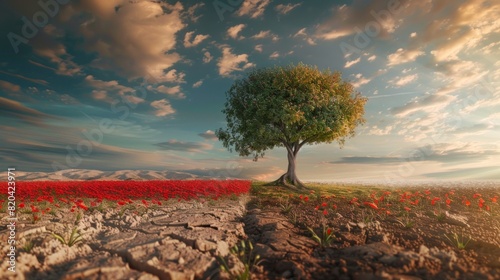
[(360, 81), (413, 35), (352, 62), (163, 108), (372, 58), (173, 77), (426, 104), (285, 9), (258, 47), (235, 30), (207, 57), (274, 55), (191, 12), (253, 8), (402, 81), (57, 54), (149, 26), (174, 91), (301, 32), (209, 134), (8, 86), (230, 62), (265, 34), (188, 42), (198, 84), (108, 85), (403, 56)]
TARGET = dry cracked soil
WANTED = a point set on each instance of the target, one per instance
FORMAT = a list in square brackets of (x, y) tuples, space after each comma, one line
[(185, 240)]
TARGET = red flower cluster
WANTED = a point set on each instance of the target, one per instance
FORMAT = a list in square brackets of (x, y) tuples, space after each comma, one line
[(124, 191)]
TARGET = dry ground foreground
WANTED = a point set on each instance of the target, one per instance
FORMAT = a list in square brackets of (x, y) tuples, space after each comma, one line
[(341, 233)]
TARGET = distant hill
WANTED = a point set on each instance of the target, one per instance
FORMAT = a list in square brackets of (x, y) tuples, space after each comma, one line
[(85, 174)]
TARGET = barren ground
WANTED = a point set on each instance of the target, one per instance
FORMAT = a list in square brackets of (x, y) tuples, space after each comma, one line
[(184, 240)]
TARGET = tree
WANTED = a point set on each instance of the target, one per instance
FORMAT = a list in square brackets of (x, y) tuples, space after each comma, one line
[(289, 107)]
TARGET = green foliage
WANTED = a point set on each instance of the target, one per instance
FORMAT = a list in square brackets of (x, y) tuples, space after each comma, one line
[(406, 221), (245, 254), (460, 242), (28, 246), (325, 238), (289, 107), (285, 205), (73, 238)]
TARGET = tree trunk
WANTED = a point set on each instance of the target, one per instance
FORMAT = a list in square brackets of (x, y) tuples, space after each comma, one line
[(289, 179)]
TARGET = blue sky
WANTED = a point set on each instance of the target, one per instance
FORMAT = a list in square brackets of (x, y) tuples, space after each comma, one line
[(113, 85)]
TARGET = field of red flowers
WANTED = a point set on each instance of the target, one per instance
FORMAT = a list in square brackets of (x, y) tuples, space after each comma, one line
[(43, 197)]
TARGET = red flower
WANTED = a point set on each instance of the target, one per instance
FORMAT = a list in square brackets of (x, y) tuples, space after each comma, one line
[(476, 195), (316, 208), (323, 204), (121, 202), (306, 199), (372, 205), (433, 201), (325, 212), (481, 202), (329, 231), (448, 201), (388, 212), (414, 202), (21, 205), (407, 209), (334, 207), (467, 202), (494, 199)]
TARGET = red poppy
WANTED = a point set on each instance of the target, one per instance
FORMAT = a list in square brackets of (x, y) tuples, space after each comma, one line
[(433, 201), (467, 202), (324, 204), (316, 208), (306, 199), (494, 199), (476, 195), (371, 205), (334, 207), (329, 231), (407, 209), (21, 205), (325, 212)]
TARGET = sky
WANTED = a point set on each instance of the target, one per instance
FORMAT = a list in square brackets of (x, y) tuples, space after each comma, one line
[(113, 85)]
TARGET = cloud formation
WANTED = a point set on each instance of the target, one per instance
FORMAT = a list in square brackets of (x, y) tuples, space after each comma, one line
[(175, 145), (230, 62), (253, 8)]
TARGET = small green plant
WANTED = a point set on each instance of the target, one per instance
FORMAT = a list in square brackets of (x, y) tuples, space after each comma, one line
[(325, 238), (245, 254), (78, 217), (28, 246), (367, 217), (440, 216), (406, 221), (460, 242), (286, 206), (73, 238)]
